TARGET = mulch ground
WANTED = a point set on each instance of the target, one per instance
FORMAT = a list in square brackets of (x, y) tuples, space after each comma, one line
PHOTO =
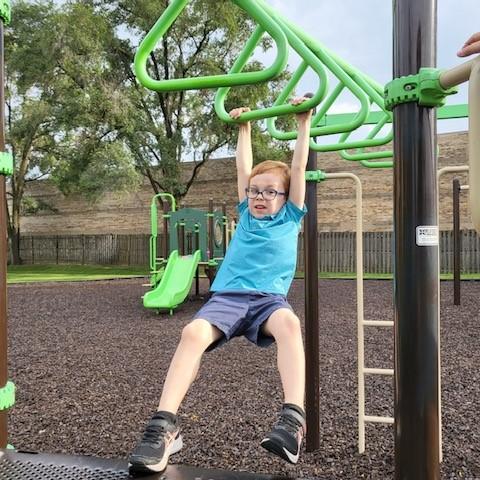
[(89, 364)]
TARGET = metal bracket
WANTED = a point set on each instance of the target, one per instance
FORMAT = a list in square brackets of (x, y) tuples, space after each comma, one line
[(423, 88), (5, 11), (6, 163), (315, 176), (7, 396)]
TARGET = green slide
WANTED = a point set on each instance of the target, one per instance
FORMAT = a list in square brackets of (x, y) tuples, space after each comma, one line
[(175, 283)]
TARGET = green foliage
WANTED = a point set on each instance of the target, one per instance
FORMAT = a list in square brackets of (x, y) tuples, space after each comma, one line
[(32, 206), (76, 114)]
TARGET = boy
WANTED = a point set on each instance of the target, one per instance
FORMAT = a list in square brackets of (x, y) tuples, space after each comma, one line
[(249, 299)]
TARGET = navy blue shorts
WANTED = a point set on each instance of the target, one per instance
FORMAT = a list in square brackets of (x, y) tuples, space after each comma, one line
[(240, 313)]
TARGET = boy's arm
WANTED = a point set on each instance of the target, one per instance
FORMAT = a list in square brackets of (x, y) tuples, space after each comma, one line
[(244, 155), (300, 157)]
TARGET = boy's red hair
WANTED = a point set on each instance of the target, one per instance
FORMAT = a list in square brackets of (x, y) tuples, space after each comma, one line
[(273, 166)]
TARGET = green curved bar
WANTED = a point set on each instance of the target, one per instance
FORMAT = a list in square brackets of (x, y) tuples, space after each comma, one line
[(368, 164), (154, 225), (321, 55), (280, 107), (370, 141), (173, 205), (214, 81)]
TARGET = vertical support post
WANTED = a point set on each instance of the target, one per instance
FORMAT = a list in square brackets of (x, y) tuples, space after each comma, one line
[(211, 245), (166, 242), (3, 253), (312, 357), (181, 237), (456, 241), (197, 247), (416, 277), (225, 227)]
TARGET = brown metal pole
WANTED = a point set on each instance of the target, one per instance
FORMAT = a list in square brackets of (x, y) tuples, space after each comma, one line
[(181, 237), (225, 227), (166, 243), (210, 230), (312, 356), (456, 241), (3, 254)]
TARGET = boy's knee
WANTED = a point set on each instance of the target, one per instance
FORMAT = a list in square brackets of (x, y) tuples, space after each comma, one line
[(286, 324), (198, 332)]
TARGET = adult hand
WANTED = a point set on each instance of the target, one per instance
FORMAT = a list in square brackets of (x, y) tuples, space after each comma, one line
[(471, 46)]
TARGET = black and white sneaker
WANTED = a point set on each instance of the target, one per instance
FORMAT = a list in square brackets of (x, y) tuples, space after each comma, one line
[(285, 439), (160, 440)]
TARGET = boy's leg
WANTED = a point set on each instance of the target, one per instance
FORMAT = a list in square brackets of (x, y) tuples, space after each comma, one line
[(284, 326), (286, 437), (161, 437), (196, 337)]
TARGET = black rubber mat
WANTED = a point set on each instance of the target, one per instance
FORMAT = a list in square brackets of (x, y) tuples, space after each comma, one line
[(37, 466)]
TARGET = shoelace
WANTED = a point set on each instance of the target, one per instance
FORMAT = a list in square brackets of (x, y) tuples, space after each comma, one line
[(289, 423), (153, 432)]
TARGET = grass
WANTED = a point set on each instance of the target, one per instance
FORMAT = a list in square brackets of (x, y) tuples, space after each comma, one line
[(382, 276), (71, 273), (75, 273)]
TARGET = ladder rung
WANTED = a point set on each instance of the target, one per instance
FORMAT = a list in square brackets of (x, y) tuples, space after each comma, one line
[(373, 419), (378, 323), (378, 371)]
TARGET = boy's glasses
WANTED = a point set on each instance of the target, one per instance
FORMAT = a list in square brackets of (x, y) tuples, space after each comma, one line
[(267, 194)]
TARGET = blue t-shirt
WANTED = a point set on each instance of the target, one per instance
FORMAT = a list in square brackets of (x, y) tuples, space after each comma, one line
[(262, 255)]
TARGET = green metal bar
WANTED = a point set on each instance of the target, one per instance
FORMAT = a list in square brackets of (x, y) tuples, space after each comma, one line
[(443, 113), (369, 164), (154, 226), (280, 107), (214, 81), (294, 36)]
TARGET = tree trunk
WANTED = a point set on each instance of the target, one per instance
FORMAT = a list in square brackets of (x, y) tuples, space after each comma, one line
[(14, 233), (15, 246)]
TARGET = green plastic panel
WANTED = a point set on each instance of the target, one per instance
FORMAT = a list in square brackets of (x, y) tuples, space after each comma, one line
[(7, 396), (5, 11), (6, 163)]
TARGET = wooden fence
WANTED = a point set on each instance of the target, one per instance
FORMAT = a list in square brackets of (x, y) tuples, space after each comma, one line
[(336, 251)]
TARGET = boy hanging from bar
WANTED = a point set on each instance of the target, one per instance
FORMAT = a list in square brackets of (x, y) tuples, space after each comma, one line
[(249, 299)]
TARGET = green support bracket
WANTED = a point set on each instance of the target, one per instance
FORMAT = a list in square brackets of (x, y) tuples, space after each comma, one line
[(315, 176), (5, 11), (6, 163), (7, 396), (423, 88)]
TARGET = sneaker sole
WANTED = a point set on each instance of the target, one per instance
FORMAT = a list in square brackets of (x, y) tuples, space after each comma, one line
[(142, 469), (279, 451)]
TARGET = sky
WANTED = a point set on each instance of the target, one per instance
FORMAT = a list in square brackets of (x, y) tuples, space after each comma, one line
[(361, 33)]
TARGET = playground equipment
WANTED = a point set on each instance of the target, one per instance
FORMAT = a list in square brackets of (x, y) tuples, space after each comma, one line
[(192, 238), (411, 97), (456, 225)]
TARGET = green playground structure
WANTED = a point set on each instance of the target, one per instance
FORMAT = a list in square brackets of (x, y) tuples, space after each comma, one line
[(317, 57), (191, 239), (175, 283)]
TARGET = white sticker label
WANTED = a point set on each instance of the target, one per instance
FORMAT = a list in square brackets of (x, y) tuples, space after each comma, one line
[(427, 235)]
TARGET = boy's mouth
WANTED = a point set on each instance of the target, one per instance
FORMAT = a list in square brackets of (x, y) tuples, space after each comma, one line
[(259, 207)]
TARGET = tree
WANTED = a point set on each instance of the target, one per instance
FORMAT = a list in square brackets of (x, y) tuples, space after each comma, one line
[(28, 109), (77, 114), (170, 127), (65, 109)]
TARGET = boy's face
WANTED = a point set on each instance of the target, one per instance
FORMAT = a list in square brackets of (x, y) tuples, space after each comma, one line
[(259, 207)]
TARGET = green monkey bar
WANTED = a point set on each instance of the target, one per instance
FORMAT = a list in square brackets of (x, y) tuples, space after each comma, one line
[(154, 223), (314, 56), (232, 79)]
